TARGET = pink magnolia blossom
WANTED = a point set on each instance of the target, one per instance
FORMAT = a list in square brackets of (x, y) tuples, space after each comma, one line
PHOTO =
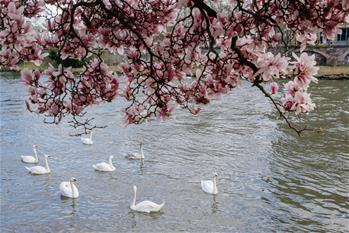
[(306, 39), (27, 76), (271, 66), (274, 88), (305, 69), (292, 87), (302, 102)]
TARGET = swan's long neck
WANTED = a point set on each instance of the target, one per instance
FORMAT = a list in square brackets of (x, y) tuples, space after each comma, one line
[(142, 154), (91, 135), (133, 202), (46, 164), (35, 154), (72, 188), (110, 161), (215, 184)]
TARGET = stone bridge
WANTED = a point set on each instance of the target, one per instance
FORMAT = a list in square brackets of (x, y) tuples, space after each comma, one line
[(325, 55)]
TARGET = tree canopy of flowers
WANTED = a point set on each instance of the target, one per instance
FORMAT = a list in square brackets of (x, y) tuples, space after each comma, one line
[(182, 52)]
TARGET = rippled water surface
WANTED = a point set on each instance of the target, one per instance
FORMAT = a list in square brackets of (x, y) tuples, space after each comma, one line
[(269, 178)]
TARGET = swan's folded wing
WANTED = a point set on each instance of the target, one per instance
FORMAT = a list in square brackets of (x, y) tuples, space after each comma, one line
[(147, 206), (207, 185), (130, 156), (134, 156), (65, 189), (28, 159), (86, 140), (63, 186), (38, 169), (101, 166)]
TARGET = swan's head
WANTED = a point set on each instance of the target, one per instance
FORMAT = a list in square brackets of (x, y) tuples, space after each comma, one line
[(134, 188), (72, 179), (35, 146), (47, 156), (111, 157), (215, 174)]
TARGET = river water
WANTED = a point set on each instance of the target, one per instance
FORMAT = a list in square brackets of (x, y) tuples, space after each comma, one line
[(269, 179)]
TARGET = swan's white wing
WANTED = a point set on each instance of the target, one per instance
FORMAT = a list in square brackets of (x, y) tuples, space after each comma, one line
[(207, 186), (66, 190), (148, 206), (37, 170), (134, 156), (28, 159), (102, 166), (87, 141)]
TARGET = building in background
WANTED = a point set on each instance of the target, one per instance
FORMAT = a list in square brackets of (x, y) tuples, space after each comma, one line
[(341, 40)]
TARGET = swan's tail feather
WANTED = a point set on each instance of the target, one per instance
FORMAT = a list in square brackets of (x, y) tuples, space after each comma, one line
[(95, 167), (161, 205), (27, 168)]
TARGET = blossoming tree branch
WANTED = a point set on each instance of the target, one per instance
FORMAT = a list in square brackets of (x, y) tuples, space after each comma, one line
[(215, 43)]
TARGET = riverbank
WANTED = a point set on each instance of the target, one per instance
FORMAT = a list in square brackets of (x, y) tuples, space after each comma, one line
[(325, 72), (333, 72)]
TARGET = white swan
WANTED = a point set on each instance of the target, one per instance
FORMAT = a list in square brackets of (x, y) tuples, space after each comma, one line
[(210, 186), (136, 156), (87, 140), (68, 188), (29, 158), (40, 170), (144, 206), (105, 167)]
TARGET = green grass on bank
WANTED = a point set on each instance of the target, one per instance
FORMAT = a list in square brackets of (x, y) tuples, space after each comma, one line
[(333, 70), (32, 66)]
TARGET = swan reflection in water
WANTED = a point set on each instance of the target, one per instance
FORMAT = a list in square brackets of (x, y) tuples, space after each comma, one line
[(215, 204), (152, 215), (72, 202)]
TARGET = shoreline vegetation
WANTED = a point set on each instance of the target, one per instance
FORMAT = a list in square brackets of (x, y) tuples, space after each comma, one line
[(339, 72)]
